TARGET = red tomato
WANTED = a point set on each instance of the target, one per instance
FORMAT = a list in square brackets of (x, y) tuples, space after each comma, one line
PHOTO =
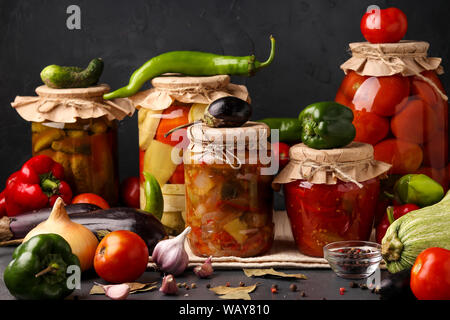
[(92, 199), (370, 128), (121, 256), (384, 26), (173, 117), (405, 157), (430, 275), (129, 191), (383, 95), (351, 83), (280, 150), (141, 165)]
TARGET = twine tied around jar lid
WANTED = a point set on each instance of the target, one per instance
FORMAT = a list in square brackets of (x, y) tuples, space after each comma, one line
[(69, 105), (217, 142), (408, 58), (170, 88), (353, 163)]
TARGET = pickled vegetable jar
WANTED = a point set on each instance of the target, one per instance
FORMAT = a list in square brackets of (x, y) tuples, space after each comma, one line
[(76, 128), (400, 106), (173, 101), (331, 194), (229, 199)]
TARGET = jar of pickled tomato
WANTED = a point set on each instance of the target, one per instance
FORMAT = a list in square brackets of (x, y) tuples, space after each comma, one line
[(400, 107), (229, 198), (331, 194), (171, 102), (77, 129)]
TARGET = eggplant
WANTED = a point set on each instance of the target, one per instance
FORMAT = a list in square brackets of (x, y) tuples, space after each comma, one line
[(99, 221), (396, 286), (17, 227), (227, 112)]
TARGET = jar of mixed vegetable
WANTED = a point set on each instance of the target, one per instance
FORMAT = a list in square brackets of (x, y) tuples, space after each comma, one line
[(399, 106), (173, 101), (78, 129), (229, 199), (331, 194)]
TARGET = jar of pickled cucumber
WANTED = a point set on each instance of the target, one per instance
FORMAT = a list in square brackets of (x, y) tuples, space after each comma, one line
[(78, 129), (173, 101), (229, 196)]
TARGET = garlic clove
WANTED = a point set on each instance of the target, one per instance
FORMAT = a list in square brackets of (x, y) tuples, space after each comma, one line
[(169, 285), (116, 291), (170, 256), (204, 270)]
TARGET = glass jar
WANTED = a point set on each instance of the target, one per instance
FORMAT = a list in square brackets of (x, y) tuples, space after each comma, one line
[(174, 101), (399, 107), (331, 195), (87, 149), (78, 129), (229, 199)]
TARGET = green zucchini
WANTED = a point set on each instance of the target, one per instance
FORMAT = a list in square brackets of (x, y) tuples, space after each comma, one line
[(414, 232), (59, 77)]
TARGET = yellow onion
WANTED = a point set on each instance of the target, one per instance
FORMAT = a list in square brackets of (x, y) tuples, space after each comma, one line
[(82, 241)]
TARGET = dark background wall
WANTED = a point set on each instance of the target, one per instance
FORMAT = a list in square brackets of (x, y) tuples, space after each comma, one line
[(312, 38)]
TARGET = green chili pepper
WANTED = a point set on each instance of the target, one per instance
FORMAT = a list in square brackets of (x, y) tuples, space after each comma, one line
[(154, 202), (290, 129), (192, 63), (39, 269), (418, 189), (327, 125)]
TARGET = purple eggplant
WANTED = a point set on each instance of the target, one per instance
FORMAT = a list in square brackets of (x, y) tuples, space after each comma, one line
[(100, 222)]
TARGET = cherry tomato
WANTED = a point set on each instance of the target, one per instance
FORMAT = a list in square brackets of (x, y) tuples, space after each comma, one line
[(370, 128), (121, 256), (384, 26), (91, 198), (129, 191), (281, 151), (383, 95), (430, 275)]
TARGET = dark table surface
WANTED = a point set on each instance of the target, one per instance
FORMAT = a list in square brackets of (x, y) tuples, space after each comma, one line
[(321, 284)]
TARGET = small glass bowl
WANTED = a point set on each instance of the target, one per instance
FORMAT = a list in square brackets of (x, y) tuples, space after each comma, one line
[(353, 259)]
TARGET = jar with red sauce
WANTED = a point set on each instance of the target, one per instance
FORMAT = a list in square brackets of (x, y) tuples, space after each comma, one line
[(400, 107), (331, 194)]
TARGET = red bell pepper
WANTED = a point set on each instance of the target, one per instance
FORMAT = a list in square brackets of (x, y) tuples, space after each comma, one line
[(36, 185), (2, 204), (392, 214)]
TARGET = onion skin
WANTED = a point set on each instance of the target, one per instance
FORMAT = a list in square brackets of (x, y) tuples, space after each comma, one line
[(82, 241)]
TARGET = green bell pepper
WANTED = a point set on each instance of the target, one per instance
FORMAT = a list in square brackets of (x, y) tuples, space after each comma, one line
[(418, 189), (39, 268), (290, 129), (327, 125)]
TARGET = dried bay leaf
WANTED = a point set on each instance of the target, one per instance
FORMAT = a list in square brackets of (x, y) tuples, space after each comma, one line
[(264, 272), (234, 293), (135, 287)]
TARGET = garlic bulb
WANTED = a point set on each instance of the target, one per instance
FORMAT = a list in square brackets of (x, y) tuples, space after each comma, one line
[(204, 270), (169, 285), (116, 291), (82, 241), (170, 255)]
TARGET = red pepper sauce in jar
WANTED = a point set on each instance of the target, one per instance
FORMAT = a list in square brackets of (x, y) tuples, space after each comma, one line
[(321, 213)]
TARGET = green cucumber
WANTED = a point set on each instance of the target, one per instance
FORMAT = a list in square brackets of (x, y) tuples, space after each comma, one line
[(59, 77), (414, 232)]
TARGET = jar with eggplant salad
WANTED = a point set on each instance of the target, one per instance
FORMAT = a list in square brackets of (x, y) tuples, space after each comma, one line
[(400, 107), (78, 129), (171, 102), (229, 200), (331, 194)]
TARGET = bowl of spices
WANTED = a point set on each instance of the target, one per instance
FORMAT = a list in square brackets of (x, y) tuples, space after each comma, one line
[(353, 259)]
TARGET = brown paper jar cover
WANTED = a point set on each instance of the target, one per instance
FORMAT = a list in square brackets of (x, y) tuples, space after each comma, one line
[(353, 163), (68, 105), (167, 89), (407, 58)]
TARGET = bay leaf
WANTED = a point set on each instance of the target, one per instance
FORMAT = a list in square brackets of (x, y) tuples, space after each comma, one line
[(264, 272), (227, 290)]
